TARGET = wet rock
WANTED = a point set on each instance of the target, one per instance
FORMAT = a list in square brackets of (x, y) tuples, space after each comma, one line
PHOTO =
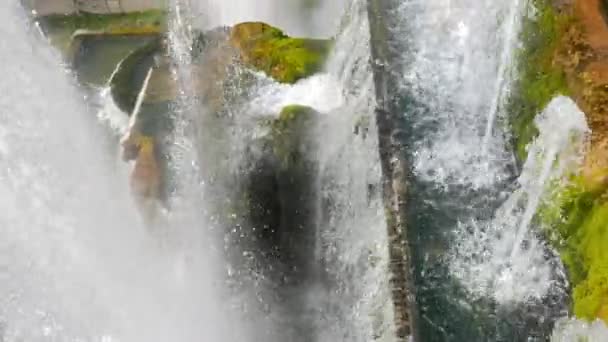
[(279, 189)]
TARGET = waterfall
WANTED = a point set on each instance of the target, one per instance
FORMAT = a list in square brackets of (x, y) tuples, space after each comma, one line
[(352, 242), (77, 262)]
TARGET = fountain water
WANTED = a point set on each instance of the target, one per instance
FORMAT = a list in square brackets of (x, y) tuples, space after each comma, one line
[(506, 259)]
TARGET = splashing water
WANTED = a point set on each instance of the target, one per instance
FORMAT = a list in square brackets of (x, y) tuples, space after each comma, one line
[(77, 262), (504, 257), (322, 92), (109, 113), (352, 241), (459, 86), (569, 330)]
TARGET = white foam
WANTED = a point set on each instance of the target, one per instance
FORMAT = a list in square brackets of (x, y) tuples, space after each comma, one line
[(109, 114), (571, 330), (322, 92), (458, 67)]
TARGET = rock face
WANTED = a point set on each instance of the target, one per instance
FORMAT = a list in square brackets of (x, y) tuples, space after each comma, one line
[(567, 53)]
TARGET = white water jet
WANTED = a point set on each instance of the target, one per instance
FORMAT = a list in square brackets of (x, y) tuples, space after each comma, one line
[(109, 113), (510, 38), (505, 257), (77, 264)]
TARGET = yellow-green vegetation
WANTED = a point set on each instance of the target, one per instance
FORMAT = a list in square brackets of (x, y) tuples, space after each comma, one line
[(288, 132), (284, 58), (62, 27), (578, 219), (576, 215), (540, 77)]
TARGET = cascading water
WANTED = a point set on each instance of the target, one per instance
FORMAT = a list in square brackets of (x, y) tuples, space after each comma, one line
[(78, 263), (352, 241), (458, 86)]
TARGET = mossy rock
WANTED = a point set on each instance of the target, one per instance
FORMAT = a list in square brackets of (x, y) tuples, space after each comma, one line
[(284, 58), (540, 79), (291, 134), (578, 217)]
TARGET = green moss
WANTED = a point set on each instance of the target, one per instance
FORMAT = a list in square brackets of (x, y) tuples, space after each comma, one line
[(540, 79), (289, 131), (286, 59), (578, 217)]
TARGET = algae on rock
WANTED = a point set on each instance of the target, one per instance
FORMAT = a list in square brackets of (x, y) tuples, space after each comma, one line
[(284, 58), (540, 77)]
